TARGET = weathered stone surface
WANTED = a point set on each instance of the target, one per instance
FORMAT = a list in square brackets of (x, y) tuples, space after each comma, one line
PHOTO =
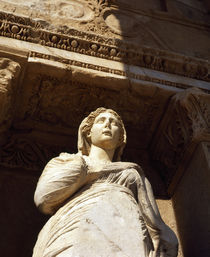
[(137, 50), (101, 206), (113, 30)]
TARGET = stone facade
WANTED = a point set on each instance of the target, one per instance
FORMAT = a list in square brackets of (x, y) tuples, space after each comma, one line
[(148, 60)]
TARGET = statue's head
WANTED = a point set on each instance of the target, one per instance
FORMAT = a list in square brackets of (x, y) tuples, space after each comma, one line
[(91, 125)]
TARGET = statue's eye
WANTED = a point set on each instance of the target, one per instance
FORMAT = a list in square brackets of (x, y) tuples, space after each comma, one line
[(100, 121), (114, 122)]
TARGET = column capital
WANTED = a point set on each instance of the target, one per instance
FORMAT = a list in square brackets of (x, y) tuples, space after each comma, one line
[(185, 123)]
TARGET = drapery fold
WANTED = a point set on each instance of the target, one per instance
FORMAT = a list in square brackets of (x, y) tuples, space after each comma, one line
[(70, 186)]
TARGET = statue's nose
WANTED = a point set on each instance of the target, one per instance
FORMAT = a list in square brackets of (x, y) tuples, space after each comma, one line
[(107, 124)]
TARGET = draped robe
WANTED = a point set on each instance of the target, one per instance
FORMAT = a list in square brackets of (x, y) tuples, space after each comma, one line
[(99, 211)]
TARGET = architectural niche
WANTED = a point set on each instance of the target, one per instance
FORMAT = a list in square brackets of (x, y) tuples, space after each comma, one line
[(147, 60)]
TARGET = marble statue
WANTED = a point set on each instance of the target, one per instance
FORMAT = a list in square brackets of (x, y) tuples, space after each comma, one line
[(101, 207)]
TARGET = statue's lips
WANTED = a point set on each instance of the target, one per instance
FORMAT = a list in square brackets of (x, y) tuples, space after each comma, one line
[(107, 133)]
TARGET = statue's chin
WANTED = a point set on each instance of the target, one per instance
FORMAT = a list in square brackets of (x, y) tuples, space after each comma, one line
[(106, 143)]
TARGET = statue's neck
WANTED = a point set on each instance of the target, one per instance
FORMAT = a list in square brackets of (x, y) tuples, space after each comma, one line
[(100, 154)]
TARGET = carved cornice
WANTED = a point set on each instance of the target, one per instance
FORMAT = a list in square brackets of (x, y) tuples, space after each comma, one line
[(26, 29), (124, 73), (185, 124)]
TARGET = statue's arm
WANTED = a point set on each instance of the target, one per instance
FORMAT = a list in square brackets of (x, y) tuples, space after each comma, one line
[(61, 178), (164, 239)]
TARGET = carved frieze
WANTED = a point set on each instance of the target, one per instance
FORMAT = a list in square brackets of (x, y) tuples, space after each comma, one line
[(64, 102), (185, 124), (107, 46), (9, 71)]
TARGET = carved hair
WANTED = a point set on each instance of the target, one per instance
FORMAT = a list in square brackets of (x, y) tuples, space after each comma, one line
[(84, 142)]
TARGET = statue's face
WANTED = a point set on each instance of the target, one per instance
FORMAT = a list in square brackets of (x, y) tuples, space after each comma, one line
[(105, 132)]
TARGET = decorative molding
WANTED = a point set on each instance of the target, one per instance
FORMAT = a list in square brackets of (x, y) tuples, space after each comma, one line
[(26, 29), (185, 124), (9, 72), (123, 73)]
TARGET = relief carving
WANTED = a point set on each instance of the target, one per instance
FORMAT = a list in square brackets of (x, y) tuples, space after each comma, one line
[(51, 99), (9, 71), (185, 124), (49, 10), (71, 9), (25, 153), (110, 47), (125, 24)]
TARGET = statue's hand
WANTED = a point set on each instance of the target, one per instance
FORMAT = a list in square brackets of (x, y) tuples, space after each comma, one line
[(164, 242), (61, 178), (155, 235), (168, 243)]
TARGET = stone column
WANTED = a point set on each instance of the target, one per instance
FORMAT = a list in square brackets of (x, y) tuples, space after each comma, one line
[(191, 204), (181, 149)]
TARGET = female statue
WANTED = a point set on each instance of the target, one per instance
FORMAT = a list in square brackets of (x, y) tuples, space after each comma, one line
[(101, 207)]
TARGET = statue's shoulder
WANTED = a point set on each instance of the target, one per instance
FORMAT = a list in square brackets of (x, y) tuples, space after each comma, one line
[(132, 165), (67, 157), (126, 165)]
